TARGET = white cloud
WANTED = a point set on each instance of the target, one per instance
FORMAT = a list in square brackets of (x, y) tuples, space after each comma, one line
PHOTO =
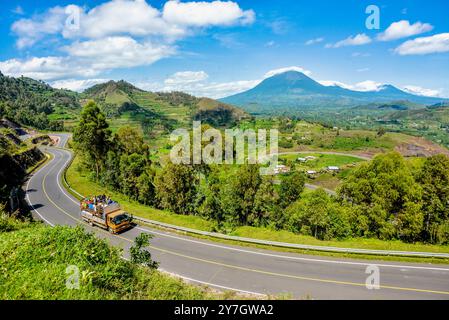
[(32, 30), (403, 29), (131, 17), (420, 46), (363, 86), (118, 52), (77, 85), (314, 41), (136, 18), (115, 34), (423, 91), (46, 68), (282, 70), (203, 14), (88, 58), (195, 83), (363, 69), (186, 77), (332, 83), (357, 40)]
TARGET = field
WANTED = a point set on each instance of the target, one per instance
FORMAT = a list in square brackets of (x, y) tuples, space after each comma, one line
[(300, 135), (320, 161)]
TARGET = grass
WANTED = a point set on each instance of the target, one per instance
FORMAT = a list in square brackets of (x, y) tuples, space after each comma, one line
[(80, 182), (321, 162), (34, 259)]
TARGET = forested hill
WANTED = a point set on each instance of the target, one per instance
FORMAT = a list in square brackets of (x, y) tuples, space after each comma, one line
[(36, 104), (30, 102), (118, 97)]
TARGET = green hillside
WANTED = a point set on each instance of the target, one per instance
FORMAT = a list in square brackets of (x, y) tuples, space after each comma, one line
[(156, 114), (34, 259), (36, 104)]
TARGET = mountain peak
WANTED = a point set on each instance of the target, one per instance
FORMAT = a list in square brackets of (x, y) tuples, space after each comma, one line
[(291, 75)]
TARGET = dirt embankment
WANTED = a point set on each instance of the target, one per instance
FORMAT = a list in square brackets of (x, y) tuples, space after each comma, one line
[(419, 147)]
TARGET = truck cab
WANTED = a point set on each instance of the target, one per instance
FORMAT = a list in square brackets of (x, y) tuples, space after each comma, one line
[(118, 221)]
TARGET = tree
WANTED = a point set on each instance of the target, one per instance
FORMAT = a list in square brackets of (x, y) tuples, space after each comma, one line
[(209, 205), (176, 187), (291, 188), (239, 195), (434, 180), (131, 167), (320, 216), (91, 136), (129, 140), (382, 190), (145, 187), (139, 255), (266, 205)]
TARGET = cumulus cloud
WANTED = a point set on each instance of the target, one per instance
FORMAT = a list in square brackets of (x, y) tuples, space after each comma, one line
[(417, 90), (136, 18), (197, 84), (46, 68), (426, 45), (88, 58), (357, 40), (202, 14), (118, 52), (282, 70), (77, 85), (115, 34), (131, 17), (29, 31), (403, 29)]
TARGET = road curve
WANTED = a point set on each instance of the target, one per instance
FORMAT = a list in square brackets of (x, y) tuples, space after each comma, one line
[(244, 269)]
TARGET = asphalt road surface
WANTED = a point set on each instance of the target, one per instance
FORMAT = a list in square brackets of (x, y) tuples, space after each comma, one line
[(244, 269)]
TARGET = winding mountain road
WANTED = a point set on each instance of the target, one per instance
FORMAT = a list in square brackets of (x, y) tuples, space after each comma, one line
[(245, 269)]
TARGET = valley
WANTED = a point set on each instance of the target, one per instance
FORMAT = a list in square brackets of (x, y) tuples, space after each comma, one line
[(321, 162)]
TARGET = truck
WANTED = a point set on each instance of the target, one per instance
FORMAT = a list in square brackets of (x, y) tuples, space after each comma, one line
[(105, 213)]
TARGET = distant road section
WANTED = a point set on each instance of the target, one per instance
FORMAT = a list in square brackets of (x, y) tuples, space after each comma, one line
[(245, 269)]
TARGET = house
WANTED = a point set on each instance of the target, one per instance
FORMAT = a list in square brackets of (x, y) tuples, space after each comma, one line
[(311, 173), (302, 159), (310, 158), (333, 168), (281, 169)]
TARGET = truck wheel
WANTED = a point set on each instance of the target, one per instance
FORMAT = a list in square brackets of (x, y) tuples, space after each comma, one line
[(111, 230)]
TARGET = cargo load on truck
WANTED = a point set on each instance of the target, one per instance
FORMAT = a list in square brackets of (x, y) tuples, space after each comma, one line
[(105, 213)]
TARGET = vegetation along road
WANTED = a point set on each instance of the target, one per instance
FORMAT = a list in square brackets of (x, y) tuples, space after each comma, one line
[(243, 269)]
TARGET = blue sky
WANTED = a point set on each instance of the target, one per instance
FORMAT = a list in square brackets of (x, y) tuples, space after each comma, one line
[(219, 48)]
